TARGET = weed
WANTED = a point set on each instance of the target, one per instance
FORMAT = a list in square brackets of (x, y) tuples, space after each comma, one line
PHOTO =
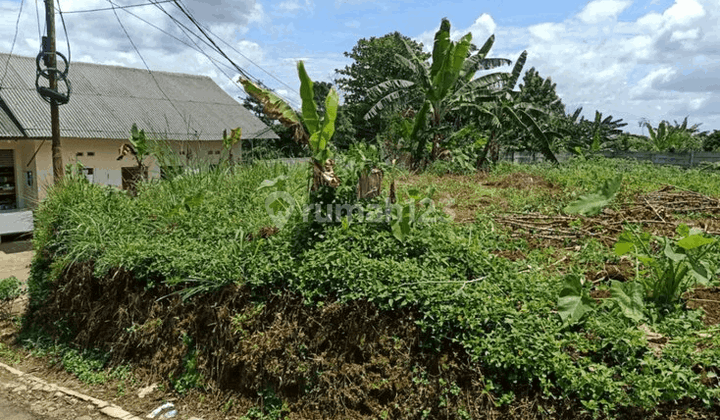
[(10, 289), (190, 376), (9, 355)]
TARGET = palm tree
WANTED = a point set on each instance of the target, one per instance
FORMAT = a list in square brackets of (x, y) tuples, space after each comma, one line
[(446, 83)]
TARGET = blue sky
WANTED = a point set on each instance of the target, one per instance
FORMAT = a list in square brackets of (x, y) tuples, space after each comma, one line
[(654, 59)]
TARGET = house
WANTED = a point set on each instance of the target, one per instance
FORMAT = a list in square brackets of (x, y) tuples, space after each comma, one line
[(189, 112)]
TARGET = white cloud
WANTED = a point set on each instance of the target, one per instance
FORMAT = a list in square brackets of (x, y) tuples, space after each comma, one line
[(685, 35), (684, 12), (600, 10), (294, 6), (547, 32), (481, 29), (668, 59)]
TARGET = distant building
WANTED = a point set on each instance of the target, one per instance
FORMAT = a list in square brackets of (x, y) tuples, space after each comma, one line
[(105, 102)]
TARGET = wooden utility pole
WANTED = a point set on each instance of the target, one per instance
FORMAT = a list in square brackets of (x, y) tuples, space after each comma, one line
[(54, 107)]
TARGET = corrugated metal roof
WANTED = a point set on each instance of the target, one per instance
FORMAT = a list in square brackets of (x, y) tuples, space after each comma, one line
[(107, 100)]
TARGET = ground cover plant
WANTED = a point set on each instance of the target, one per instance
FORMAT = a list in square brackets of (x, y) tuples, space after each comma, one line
[(485, 310), (585, 289)]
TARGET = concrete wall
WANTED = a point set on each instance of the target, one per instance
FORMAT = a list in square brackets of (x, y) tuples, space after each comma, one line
[(685, 159)]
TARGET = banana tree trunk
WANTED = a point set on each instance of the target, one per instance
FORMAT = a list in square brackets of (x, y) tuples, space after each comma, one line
[(324, 175), (491, 152), (370, 184)]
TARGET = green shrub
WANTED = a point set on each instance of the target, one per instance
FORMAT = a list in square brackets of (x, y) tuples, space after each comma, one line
[(10, 289)]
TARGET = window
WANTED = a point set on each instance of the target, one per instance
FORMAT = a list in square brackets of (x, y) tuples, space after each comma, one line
[(210, 152), (79, 154), (91, 153)]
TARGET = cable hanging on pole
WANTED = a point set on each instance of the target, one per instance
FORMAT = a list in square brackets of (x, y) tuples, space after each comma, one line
[(48, 57)]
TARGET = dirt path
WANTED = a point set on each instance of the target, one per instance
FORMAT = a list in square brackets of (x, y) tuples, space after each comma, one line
[(15, 259)]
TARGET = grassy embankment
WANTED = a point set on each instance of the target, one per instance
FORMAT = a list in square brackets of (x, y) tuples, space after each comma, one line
[(345, 320)]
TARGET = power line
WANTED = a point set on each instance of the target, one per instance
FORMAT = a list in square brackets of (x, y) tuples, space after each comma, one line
[(62, 18), (216, 48), (145, 63), (17, 26), (194, 47), (117, 7), (215, 62), (248, 59), (37, 14)]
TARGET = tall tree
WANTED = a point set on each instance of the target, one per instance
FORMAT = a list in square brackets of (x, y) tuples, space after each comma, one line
[(374, 62), (540, 92)]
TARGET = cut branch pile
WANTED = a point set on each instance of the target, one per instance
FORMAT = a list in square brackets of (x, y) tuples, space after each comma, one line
[(655, 211)]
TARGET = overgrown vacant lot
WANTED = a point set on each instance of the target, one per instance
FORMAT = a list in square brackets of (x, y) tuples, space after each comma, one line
[(501, 305)]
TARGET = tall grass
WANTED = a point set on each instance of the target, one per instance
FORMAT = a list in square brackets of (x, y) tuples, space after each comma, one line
[(193, 229)]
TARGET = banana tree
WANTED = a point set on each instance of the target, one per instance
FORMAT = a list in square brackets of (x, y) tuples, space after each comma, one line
[(509, 118), (679, 136), (446, 83), (312, 130)]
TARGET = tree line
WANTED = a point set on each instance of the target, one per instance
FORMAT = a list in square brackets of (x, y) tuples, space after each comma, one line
[(449, 105)]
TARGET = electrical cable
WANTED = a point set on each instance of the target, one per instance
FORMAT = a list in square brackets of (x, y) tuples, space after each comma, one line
[(12, 47), (195, 47), (62, 19), (117, 7), (182, 116), (37, 14), (217, 49), (245, 57)]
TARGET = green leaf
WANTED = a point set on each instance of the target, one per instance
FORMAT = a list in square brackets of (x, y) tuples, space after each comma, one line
[(625, 244), (328, 122), (700, 272), (629, 298), (277, 183), (694, 241), (611, 187), (670, 252), (440, 47), (401, 225), (309, 111), (572, 302), (592, 204), (683, 230), (587, 205)]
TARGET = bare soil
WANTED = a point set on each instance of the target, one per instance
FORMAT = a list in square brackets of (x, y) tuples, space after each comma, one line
[(708, 300), (522, 181)]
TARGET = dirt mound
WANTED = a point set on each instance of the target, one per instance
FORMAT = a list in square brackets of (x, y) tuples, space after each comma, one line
[(336, 361), (267, 348), (522, 181)]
